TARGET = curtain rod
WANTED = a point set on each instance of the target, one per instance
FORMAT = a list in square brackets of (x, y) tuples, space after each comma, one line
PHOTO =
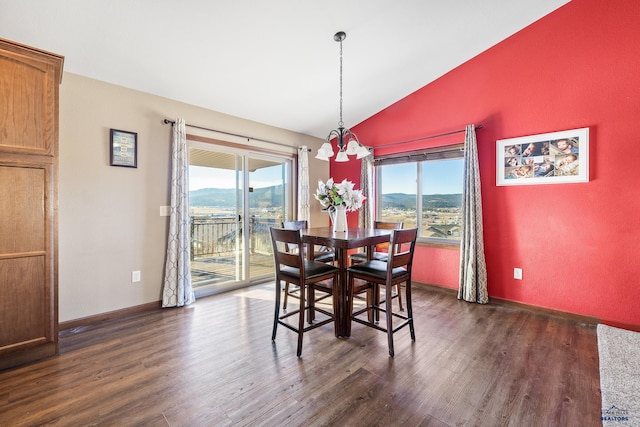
[(167, 121), (425, 137)]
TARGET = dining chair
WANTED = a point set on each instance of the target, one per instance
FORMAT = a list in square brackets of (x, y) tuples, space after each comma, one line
[(322, 255), (309, 276), (380, 250), (374, 274), (381, 253)]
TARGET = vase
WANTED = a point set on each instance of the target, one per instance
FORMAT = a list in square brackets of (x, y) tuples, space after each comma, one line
[(339, 219)]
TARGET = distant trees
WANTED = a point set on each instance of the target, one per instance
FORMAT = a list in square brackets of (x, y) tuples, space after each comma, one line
[(429, 201), (226, 197)]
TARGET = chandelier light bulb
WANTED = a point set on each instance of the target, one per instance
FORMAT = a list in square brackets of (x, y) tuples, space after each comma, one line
[(342, 156)]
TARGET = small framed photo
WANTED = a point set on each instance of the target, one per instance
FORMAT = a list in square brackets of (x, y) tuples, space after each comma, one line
[(123, 148), (548, 158)]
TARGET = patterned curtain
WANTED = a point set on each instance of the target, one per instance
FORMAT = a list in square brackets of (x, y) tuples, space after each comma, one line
[(304, 212), (473, 269), (177, 290), (365, 215)]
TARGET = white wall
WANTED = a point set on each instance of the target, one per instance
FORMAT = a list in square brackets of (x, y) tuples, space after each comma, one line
[(109, 220)]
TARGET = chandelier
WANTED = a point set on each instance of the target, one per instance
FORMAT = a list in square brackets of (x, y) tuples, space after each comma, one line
[(348, 143)]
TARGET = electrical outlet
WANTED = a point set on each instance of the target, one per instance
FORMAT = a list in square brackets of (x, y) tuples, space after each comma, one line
[(135, 276), (165, 210), (517, 273)]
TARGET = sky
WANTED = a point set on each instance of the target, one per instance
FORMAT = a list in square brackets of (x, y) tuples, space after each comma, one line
[(204, 177), (439, 177)]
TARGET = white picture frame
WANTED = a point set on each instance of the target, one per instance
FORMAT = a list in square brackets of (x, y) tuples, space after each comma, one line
[(547, 158)]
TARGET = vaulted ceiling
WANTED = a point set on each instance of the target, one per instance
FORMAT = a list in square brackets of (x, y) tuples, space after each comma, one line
[(274, 62)]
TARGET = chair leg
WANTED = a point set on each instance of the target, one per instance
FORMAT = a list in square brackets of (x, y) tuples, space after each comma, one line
[(311, 298), (301, 321), (277, 312), (286, 294), (398, 289), (410, 310), (389, 308), (372, 313), (336, 307), (350, 313), (376, 301)]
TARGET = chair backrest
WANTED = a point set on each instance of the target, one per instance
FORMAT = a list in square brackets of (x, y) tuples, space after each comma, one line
[(402, 245), (281, 239), (384, 225), (295, 225)]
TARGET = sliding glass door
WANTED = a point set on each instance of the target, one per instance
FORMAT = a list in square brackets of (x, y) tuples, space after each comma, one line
[(235, 197), (268, 202)]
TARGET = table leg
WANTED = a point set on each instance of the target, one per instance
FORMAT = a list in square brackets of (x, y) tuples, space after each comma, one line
[(343, 316)]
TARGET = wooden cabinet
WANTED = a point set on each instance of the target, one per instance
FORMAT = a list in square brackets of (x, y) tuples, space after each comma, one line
[(29, 85)]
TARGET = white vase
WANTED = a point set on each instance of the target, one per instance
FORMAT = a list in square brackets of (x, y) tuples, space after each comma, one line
[(339, 219)]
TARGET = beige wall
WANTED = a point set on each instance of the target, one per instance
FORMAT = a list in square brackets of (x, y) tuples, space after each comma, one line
[(109, 219)]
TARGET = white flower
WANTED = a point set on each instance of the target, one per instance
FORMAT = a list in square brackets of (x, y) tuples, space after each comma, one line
[(331, 195)]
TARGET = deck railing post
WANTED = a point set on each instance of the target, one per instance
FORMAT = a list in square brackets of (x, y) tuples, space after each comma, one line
[(191, 238), (252, 229)]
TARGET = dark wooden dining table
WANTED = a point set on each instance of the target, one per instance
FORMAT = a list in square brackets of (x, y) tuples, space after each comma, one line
[(341, 242)]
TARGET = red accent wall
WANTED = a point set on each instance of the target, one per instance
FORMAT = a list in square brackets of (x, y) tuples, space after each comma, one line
[(578, 244)]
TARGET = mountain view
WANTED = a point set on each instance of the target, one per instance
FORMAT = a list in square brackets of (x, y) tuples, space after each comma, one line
[(430, 201), (226, 197), (272, 196)]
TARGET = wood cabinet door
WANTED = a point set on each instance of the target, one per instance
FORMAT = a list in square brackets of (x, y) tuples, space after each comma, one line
[(29, 81), (28, 299), (28, 101)]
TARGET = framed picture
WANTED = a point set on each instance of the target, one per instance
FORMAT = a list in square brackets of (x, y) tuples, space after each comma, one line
[(548, 158), (123, 148)]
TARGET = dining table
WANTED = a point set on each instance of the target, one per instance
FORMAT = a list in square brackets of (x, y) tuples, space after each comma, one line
[(342, 242)]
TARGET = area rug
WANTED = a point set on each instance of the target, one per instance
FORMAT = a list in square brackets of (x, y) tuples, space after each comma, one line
[(619, 352)]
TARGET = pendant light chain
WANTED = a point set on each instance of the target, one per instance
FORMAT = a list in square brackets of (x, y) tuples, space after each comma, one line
[(341, 123), (346, 140)]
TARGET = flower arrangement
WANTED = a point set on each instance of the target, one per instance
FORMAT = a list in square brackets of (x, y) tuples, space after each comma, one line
[(331, 195)]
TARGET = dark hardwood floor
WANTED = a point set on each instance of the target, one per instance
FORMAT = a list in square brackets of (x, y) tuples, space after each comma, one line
[(213, 364)]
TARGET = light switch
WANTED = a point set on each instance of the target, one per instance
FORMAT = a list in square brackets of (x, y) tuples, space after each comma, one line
[(517, 273)]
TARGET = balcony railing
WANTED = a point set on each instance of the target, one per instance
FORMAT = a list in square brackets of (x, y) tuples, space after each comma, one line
[(220, 236)]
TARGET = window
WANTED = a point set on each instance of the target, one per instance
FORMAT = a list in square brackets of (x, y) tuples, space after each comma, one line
[(423, 189)]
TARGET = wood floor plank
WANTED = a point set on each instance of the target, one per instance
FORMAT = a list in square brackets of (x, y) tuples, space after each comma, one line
[(214, 364)]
